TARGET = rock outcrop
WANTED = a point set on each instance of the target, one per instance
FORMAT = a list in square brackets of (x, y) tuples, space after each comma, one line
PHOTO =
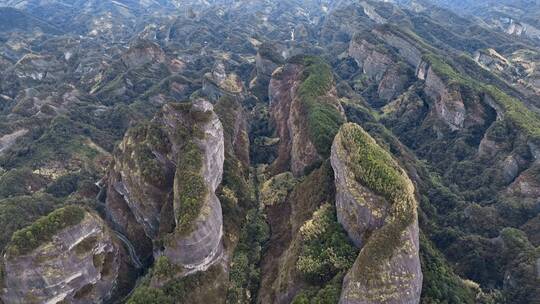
[(305, 111), (376, 205), (406, 46), (143, 52), (7, 140), (162, 182), (374, 61), (81, 261), (267, 61), (221, 82), (282, 278), (380, 66), (447, 101)]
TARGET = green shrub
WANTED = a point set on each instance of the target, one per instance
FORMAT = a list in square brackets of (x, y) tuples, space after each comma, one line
[(326, 249), (64, 185), (328, 294), (245, 273), (164, 269), (42, 230), (441, 284), (18, 212), (148, 295), (149, 166), (323, 117), (190, 189), (19, 182)]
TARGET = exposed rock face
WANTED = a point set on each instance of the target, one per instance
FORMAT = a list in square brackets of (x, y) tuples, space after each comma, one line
[(527, 185), (81, 264), (267, 61), (144, 192), (296, 150), (8, 140), (373, 61), (517, 28), (220, 83), (376, 206), (235, 130), (380, 66), (394, 82), (491, 59), (201, 248), (143, 52), (520, 68), (372, 13), (405, 47), (448, 103)]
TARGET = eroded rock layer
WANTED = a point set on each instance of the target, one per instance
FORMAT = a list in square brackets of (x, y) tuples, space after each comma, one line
[(161, 186), (306, 113), (78, 263), (376, 205)]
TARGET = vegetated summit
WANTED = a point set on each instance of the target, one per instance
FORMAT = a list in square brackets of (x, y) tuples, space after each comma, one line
[(287, 151)]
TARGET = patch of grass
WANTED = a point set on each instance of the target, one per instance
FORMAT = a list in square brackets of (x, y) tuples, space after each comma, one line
[(372, 165), (42, 230)]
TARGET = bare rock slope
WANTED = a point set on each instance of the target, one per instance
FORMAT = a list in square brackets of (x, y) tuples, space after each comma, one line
[(376, 205), (70, 255), (162, 183)]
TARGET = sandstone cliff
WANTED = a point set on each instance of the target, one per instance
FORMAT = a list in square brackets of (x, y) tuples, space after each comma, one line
[(288, 268), (448, 103), (267, 61), (305, 111), (376, 205), (221, 82), (162, 182), (69, 256), (382, 68)]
